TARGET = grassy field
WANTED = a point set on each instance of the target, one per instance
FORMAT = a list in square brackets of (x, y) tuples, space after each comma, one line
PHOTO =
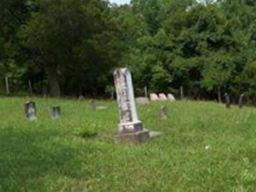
[(204, 147)]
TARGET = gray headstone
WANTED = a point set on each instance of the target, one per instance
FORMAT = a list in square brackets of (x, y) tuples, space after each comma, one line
[(55, 112), (30, 110), (130, 127)]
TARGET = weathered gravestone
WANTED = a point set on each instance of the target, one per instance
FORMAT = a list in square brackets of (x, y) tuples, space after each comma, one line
[(130, 128), (227, 99), (163, 112), (30, 110), (55, 112), (162, 97), (153, 97), (240, 102), (170, 97)]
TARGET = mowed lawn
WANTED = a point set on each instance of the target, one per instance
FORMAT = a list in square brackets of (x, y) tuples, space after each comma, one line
[(204, 147)]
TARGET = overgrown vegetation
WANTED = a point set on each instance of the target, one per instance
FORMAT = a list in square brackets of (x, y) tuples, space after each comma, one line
[(73, 46), (204, 147)]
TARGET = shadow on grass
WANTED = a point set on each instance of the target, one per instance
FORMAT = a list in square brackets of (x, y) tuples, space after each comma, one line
[(30, 159)]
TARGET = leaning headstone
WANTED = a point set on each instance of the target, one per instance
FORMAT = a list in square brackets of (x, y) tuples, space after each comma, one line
[(130, 127), (170, 97), (142, 100), (163, 112), (55, 112), (153, 97), (162, 97), (7, 85), (240, 102), (227, 99), (30, 110)]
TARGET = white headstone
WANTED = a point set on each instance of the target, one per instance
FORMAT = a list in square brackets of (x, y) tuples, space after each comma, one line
[(162, 97), (130, 127), (171, 97), (153, 97)]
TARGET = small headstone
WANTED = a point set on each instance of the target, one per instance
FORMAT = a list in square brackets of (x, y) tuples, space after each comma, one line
[(130, 127), (171, 97), (163, 112), (240, 102), (162, 97), (30, 110), (7, 85), (55, 112), (142, 100), (153, 97), (227, 99), (93, 105)]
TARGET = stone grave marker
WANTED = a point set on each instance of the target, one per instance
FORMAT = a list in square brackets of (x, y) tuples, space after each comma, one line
[(162, 97), (55, 112), (30, 110), (130, 127), (227, 99), (240, 102), (153, 97), (170, 97)]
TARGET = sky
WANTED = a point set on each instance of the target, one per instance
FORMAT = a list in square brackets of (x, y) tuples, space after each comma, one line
[(119, 2)]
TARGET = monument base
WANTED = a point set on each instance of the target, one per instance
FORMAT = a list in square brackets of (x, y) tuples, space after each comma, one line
[(138, 137)]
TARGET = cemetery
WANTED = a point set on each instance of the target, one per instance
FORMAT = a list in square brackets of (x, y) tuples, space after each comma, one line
[(127, 96), (72, 145)]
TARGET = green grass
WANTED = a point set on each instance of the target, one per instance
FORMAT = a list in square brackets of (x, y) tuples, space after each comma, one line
[(204, 147)]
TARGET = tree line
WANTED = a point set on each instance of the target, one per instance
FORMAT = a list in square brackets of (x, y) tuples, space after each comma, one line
[(71, 47)]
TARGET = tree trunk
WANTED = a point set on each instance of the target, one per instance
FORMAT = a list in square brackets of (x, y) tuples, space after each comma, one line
[(52, 73)]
